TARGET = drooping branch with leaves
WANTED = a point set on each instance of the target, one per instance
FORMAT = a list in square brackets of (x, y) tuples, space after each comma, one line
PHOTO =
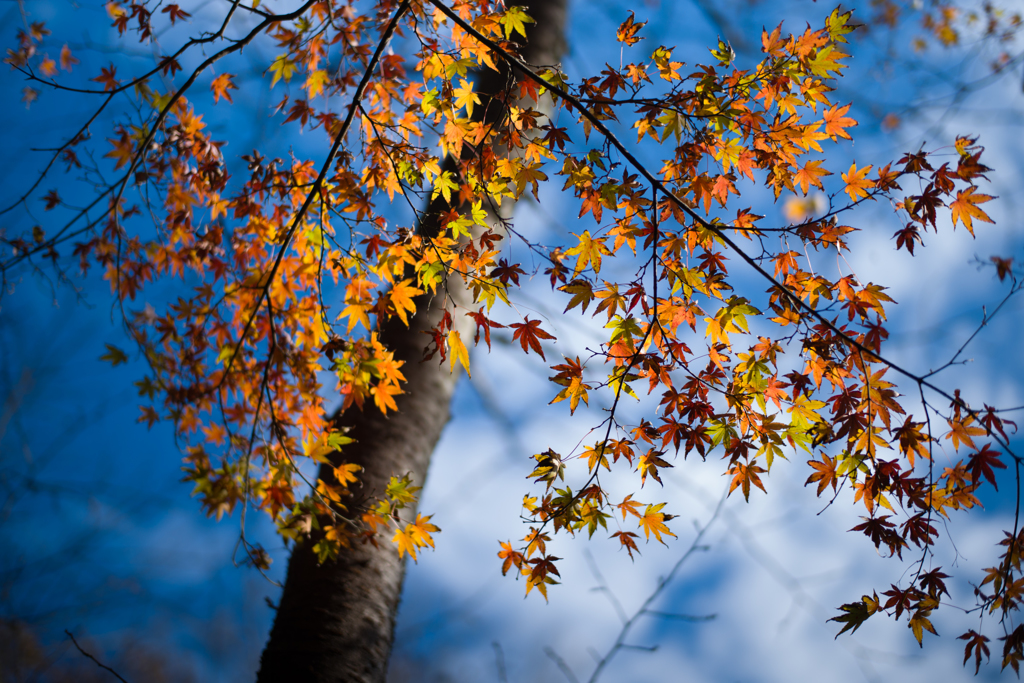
[(378, 260)]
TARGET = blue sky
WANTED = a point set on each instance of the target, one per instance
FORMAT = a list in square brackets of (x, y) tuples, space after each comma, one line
[(108, 543)]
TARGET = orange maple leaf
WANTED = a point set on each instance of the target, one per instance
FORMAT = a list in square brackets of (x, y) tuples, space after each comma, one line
[(401, 296), (824, 473), (221, 87), (744, 476), (809, 175), (836, 122), (965, 208)]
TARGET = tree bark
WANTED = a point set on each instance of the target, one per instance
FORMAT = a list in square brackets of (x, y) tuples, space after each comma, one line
[(335, 622)]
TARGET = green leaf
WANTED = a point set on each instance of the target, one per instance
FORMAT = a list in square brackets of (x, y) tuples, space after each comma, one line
[(226, 353), (444, 186), (336, 440), (856, 614), (839, 25), (114, 355), (401, 492), (430, 101), (514, 21)]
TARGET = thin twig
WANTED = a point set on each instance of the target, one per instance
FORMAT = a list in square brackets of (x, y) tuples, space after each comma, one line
[(620, 641), (499, 660), (553, 656), (98, 662)]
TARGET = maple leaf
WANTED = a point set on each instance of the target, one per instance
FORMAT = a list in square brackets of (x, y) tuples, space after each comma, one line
[(810, 174), (149, 416), (420, 531), (514, 21), (839, 25), (221, 86), (919, 623), (538, 577), (960, 431), (582, 293), (912, 440), (401, 297), (400, 490), (836, 122), (529, 174), (169, 65), (107, 78), (976, 643), (856, 613), (630, 506), (653, 522), (627, 33), (356, 313), (457, 351), (881, 530), (465, 97), (649, 464), (346, 474), (51, 200), (981, 464), (588, 252), (1004, 267), (67, 60), (626, 541), (48, 67), (596, 457), (857, 182), (114, 355), (283, 67), (824, 474), (965, 208), (316, 82), (771, 43), (444, 185), (512, 558), (405, 542), (536, 542), (570, 375), (743, 475), (483, 324), (827, 59), (175, 13), (529, 334)]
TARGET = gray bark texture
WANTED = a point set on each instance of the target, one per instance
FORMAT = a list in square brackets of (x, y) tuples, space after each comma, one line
[(336, 621)]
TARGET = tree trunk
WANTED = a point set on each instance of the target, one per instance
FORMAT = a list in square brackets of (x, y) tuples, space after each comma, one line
[(335, 622)]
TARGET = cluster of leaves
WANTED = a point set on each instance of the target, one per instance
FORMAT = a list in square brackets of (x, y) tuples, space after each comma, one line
[(236, 362), (950, 23)]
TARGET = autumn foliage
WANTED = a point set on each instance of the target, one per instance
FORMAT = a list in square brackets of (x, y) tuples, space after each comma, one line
[(284, 269)]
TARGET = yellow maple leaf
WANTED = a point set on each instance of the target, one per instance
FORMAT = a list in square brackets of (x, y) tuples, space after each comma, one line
[(282, 68), (457, 351), (857, 182), (316, 82), (346, 474), (653, 522), (420, 531), (405, 543), (588, 252), (465, 97)]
